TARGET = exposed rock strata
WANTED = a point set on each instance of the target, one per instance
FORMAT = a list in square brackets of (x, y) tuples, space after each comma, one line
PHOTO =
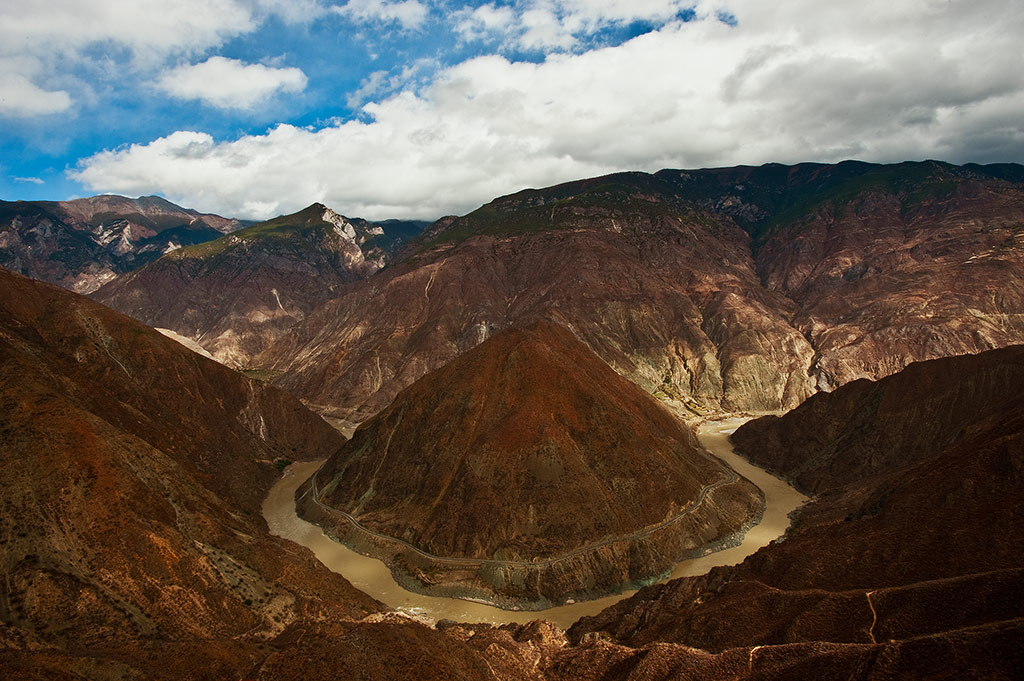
[(85, 243), (735, 289), (911, 550), (532, 472), (236, 295)]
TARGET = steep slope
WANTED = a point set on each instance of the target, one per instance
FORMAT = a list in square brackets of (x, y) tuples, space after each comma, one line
[(725, 289), (530, 451), (237, 294), (911, 550), (84, 243), (872, 427), (133, 473)]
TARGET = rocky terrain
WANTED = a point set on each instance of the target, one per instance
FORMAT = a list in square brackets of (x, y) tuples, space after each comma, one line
[(236, 295), (531, 451), (909, 560), (131, 540), (731, 289), (84, 243)]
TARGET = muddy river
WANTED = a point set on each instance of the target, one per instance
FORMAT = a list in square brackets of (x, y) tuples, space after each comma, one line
[(373, 577)]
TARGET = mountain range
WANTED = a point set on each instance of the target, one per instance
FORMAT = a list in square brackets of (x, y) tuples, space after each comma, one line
[(84, 243), (528, 379)]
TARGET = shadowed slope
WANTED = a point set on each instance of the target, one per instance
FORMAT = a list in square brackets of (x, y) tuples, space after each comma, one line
[(530, 447), (133, 472), (913, 538)]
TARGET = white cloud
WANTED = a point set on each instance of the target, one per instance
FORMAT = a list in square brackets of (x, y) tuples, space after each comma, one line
[(380, 83), (29, 180), (230, 83), (21, 98), (483, 21), (409, 13), (887, 80), (49, 37), (559, 25), (144, 26)]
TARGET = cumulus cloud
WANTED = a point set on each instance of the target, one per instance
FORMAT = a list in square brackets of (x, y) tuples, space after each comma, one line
[(20, 97), (473, 23), (409, 13), (546, 25), (887, 80), (49, 36), (230, 83)]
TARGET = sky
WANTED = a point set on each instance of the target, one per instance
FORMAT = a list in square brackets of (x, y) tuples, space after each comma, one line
[(423, 108)]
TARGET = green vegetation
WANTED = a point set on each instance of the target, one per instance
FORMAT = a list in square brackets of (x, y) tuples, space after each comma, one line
[(282, 227), (912, 183), (564, 207), (281, 464)]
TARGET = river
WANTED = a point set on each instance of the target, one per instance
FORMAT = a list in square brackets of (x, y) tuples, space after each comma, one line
[(373, 577)]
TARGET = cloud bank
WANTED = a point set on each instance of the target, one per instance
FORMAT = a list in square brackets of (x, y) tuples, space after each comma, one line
[(731, 82)]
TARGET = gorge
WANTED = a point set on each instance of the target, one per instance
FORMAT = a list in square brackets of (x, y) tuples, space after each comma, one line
[(535, 380)]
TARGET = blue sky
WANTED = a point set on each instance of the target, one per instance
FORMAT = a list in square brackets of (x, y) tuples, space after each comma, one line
[(419, 108)]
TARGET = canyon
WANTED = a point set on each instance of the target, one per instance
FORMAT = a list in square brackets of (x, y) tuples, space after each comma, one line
[(526, 472), (527, 381)]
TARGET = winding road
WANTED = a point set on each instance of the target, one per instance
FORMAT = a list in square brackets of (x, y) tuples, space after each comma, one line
[(373, 577), (543, 562)]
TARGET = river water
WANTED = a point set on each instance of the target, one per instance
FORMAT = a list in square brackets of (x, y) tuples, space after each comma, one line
[(373, 577)]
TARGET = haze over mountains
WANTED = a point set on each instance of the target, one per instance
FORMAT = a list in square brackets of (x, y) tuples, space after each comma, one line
[(508, 366)]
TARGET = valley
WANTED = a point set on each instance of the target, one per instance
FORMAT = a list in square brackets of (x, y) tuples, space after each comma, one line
[(547, 405), (374, 578)]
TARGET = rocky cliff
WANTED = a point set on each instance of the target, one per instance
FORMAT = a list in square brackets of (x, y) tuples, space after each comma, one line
[(909, 558), (730, 289), (533, 472), (236, 295), (84, 243)]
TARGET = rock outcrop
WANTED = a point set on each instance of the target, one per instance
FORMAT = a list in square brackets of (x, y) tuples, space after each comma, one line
[(236, 295), (530, 472), (85, 243), (910, 556), (729, 289)]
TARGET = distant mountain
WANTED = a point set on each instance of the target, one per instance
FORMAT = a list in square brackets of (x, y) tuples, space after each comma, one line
[(237, 294), (82, 244), (908, 564), (724, 289), (525, 448)]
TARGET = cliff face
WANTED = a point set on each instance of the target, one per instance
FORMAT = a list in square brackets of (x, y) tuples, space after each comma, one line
[(236, 295), (528, 448), (730, 289), (869, 428), (84, 243), (910, 546), (133, 473)]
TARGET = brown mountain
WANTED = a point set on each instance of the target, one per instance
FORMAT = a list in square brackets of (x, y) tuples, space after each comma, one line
[(528, 448), (728, 289), (133, 473), (84, 243), (908, 563), (237, 294)]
